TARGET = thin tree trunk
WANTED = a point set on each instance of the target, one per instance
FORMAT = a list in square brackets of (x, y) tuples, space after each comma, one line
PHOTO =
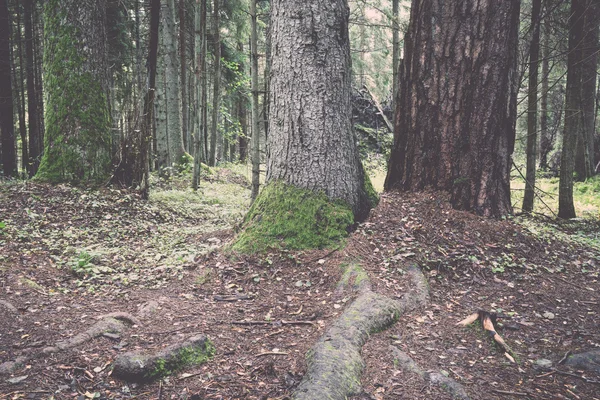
[(584, 161), (254, 104), (455, 126), (573, 120), (183, 65), (395, 52), (532, 100), (545, 142), (242, 117), (35, 138), (200, 20), (176, 150), (216, 85), (7, 129), (21, 95)]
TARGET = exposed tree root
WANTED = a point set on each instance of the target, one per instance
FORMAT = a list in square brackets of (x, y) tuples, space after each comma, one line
[(113, 323), (335, 363), (455, 389), (139, 367)]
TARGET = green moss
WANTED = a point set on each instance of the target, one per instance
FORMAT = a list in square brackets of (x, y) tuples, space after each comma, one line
[(370, 190), (283, 216), (77, 141), (185, 357)]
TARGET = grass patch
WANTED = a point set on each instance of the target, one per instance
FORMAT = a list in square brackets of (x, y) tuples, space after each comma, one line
[(284, 216)]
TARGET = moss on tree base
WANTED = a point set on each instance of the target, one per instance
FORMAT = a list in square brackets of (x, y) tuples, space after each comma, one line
[(284, 216)]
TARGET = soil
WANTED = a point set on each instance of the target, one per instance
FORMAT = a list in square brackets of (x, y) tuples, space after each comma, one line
[(70, 256)]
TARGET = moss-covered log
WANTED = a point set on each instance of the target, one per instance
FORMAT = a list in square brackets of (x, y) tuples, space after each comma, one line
[(77, 142), (141, 367)]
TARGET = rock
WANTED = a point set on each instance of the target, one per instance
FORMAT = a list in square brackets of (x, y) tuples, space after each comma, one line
[(17, 379), (543, 363), (589, 360), (548, 315)]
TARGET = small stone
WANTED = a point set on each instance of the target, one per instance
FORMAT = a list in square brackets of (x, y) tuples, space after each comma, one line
[(17, 379), (548, 315), (543, 363), (112, 336)]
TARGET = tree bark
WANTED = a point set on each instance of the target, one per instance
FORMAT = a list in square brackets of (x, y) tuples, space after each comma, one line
[(532, 100), (21, 87), (78, 138), (311, 143), (200, 22), (457, 104), (35, 137), (573, 118), (183, 65), (216, 85), (7, 128), (584, 161), (545, 139), (254, 101)]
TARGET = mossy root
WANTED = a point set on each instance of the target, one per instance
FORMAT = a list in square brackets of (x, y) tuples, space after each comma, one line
[(140, 367), (334, 363)]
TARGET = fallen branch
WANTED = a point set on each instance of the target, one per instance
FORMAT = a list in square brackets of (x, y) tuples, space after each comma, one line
[(272, 353), (487, 322), (509, 392), (234, 297), (282, 322)]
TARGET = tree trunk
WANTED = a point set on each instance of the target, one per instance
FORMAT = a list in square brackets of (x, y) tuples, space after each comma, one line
[(254, 101), (395, 52), (183, 65), (584, 161), (311, 142), (176, 150), (78, 138), (7, 128), (241, 102), (161, 147), (545, 140), (455, 126), (216, 85), (35, 137), (200, 22), (532, 100), (573, 119)]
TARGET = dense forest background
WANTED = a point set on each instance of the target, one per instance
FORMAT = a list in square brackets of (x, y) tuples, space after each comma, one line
[(107, 91)]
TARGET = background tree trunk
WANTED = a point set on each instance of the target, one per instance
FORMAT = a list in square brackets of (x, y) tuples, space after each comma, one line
[(78, 138), (35, 136), (183, 66), (545, 142), (254, 101), (216, 85), (584, 161), (457, 104), (311, 142), (573, 117), (532, 100), (199, 154), (7, 127)]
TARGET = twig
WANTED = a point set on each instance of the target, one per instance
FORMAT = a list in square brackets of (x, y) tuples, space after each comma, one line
[(509, 392), (577, 376), (272, 353), (233, 297), (297, 312), (189, 376), (573, 394), (282, 322), (562, 360), (160, 389), (546, 374)]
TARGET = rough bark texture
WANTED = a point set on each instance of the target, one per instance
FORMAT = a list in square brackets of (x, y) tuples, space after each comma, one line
[(9, 153), (77, 143), (457, 103), (311, 143), (200, 44), (584, 160), (254, 101), (532, 97), (573, 120), (35, 137)]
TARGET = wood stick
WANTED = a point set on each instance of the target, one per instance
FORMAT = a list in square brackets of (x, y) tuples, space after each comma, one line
[(272, 353), (509, 392)]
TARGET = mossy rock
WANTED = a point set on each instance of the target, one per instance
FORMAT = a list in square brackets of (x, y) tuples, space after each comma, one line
[(141, 367), (284, 216)]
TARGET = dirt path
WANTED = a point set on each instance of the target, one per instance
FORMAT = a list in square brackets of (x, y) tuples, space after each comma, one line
[(70, 257)]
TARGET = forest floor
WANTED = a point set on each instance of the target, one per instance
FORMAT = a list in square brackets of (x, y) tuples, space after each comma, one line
[(68, 256)]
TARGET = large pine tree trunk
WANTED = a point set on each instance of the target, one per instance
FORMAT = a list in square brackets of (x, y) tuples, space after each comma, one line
[(454, 129), (311, 143), (545, 139), (35, 137), (532, 100), (254, 100), (7, 129), (77, 143), (573, 119)]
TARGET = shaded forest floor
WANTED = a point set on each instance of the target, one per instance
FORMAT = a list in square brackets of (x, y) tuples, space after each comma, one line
[(69, 256)]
